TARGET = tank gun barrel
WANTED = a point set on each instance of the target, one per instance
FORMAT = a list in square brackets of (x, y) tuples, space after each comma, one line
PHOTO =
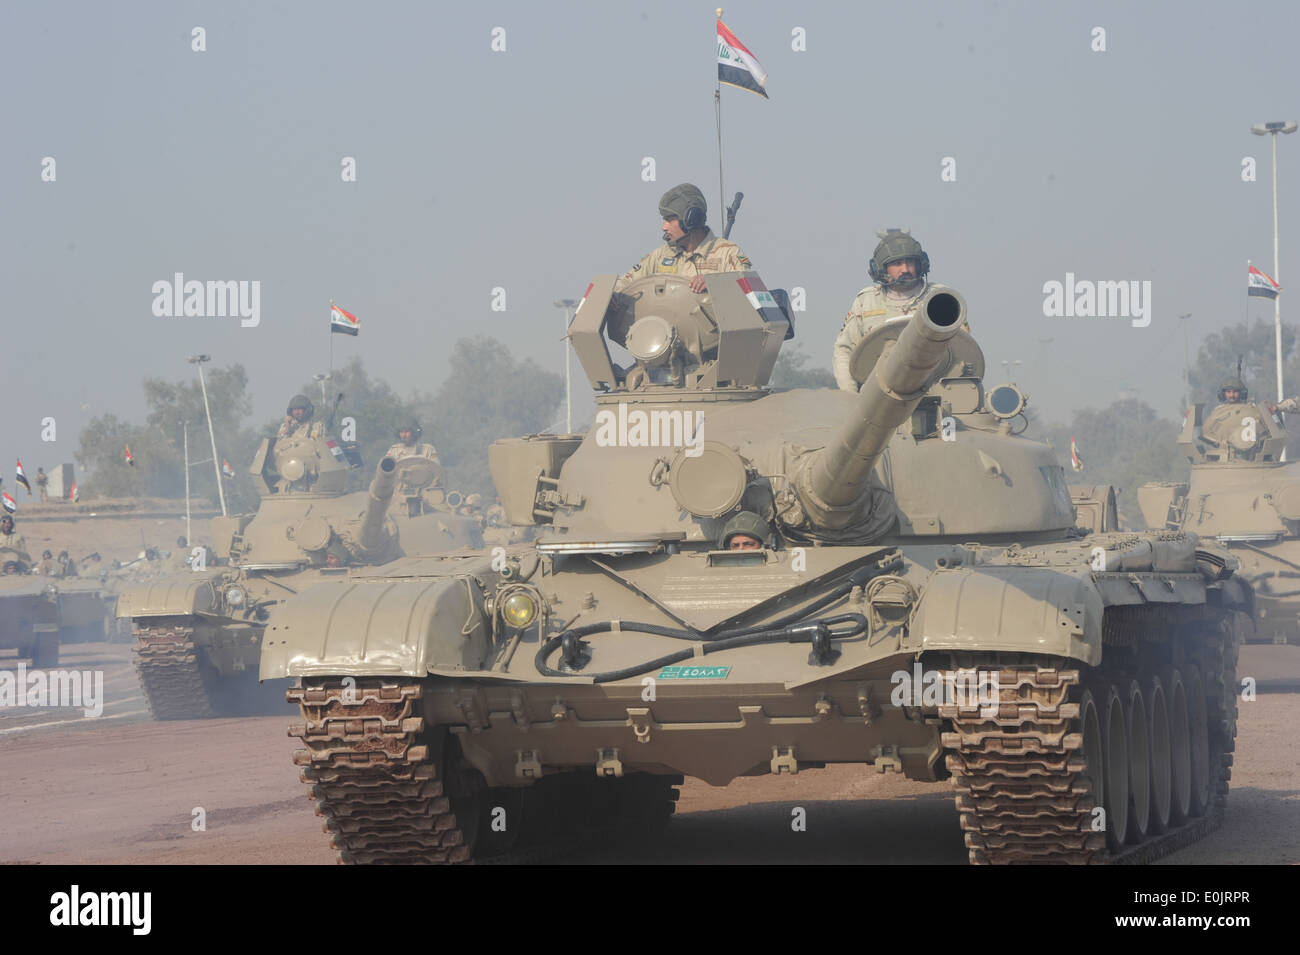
[(382, 488), (834, 479)]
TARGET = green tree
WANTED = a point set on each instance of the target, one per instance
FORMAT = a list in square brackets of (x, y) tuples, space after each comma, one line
[(1125, 445), (791, 371), (488, 395)]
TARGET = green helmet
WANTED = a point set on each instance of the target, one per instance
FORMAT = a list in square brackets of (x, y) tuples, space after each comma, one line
[(687, 204), (409, 424), (300, 401), (746, 522), (894, 246), (1233, 384)]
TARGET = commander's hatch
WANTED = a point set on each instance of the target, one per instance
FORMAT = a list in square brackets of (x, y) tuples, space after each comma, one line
[(734, 330)]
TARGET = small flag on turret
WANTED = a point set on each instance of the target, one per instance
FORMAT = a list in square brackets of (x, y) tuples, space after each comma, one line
[(74, 495), (129, 460), (226, 469), (343, 322), (10, 504), (22, 478), (736, 65), (1257, 283), (1076, 462)]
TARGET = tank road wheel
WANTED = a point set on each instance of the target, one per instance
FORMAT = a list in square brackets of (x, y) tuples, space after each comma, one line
[(1115, 736), (1094, 749), (1199, 736), (1161, 758), (1180, 748), (1139, 762)]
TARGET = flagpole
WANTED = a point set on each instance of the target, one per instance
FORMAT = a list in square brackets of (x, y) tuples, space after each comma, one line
[(330, 373), (717, 119), (185, 425)]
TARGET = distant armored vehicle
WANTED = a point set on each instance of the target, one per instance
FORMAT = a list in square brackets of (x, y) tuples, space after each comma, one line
[(730, 581), (1241, 494), (199, 633)]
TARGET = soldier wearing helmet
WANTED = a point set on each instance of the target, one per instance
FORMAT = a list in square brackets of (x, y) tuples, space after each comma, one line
[(1233, 391), (297, 419), (409, 444), (898, 268), (745, 531), (690, 248), (10, 538), (295, 445)]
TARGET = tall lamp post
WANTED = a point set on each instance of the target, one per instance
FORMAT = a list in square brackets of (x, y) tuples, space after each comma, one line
[(569, 305), (1272, 129), (1187, 365), (216, 462)]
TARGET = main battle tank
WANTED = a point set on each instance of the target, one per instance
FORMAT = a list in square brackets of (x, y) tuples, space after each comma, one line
[(38, 612), (199, 633), (919, 601), (1241, 494)]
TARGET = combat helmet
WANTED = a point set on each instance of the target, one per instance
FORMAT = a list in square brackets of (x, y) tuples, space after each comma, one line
[(301, 401), (894, 246), (1233, 384), (686, 202), (746, 522), (411, 424)]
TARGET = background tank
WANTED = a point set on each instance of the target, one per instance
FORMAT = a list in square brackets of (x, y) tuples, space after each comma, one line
[(39, 612), (199, 633), (917, 598), (1241, 494)]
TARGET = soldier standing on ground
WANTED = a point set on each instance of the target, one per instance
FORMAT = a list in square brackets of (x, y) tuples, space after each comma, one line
[(690, 248), (898, 268)]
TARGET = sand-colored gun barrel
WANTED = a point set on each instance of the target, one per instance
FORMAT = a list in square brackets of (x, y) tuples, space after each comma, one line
[(382, 488), (838, 474)]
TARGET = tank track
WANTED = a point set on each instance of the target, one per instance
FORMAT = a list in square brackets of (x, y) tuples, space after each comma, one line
[(171, 673), (392, 789), (1024, 795)]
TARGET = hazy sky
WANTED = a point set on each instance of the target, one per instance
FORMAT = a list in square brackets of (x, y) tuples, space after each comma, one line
[(522, 170)]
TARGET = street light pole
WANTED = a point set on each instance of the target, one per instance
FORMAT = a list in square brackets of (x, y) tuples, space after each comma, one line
[(569, 305), (216, 463), (1272, 129), (1187, 365)]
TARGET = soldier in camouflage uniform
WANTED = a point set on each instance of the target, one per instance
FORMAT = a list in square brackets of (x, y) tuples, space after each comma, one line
[(296, 440), (898, 267), (11, 539), (690, 248), (409, 444)]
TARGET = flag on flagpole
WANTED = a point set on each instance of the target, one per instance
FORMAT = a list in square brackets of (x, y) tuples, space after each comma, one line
[(22, 478), (1076, 462), (1257, 283), (737, 66), (129, 460), (10, 504), (343, 322), (226, 469), (74, 495)]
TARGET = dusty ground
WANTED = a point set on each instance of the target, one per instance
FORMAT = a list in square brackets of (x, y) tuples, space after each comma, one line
[(123, 789)]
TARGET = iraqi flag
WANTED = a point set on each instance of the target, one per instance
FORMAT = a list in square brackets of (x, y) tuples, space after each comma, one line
[(736, 65), (226, 469), (1257, 283), (345, 323), (1076, 462), (74, 495), (22, 478), (129, 459), (10, 504)]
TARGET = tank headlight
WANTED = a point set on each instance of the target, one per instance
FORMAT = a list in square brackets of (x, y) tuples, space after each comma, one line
[(519, 609), (234, 597)]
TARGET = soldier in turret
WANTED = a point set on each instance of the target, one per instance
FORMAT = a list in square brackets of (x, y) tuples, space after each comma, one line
[(898, 268), (296, 441), (409, 444), (46, 566), (1234, 392), (65, 565), (745, 531), (690, 248)]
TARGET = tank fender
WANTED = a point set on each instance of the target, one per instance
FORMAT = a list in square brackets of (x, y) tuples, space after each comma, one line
[(1025, 609), (180, 595), (408, 626)]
